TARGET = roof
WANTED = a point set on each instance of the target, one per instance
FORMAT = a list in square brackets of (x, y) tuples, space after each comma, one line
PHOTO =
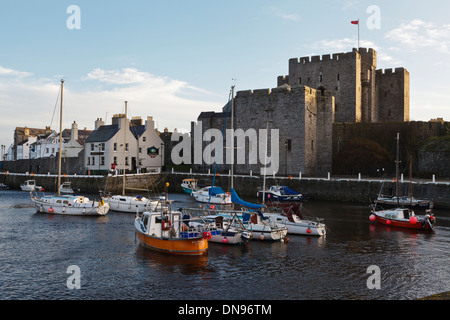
[(104, 133), (212, 114), (33, 131), (137, 131)]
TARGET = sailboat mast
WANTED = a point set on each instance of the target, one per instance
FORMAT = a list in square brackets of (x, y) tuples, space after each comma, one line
[(265, 164), (232, 136), (410, 179), (60, 139), (124, 150), (397, 169)]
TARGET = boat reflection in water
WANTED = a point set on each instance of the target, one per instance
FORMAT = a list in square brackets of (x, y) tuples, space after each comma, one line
[(158, 260)]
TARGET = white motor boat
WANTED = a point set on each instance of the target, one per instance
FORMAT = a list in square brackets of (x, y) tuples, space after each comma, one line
[(213, 195), (131, 204), (189, 185), (289, 215), (30, 185), (298, 226), (70, 205), (225, 229), (66, 188)]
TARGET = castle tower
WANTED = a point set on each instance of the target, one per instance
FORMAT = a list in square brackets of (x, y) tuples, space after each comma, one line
[(354, 81)]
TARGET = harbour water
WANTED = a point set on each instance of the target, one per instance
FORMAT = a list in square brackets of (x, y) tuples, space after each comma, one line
[(37, 249)]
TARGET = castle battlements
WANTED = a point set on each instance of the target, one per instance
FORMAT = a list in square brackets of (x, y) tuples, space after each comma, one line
[(343, 56), (391, 71), (284, 89)]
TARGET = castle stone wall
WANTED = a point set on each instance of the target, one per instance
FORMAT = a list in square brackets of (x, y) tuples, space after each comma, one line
[(339, 73), (393, 94), (362, 93)]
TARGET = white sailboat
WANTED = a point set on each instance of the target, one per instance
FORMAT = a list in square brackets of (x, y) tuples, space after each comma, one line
[(124, 203), (67, 204), (212, 195)]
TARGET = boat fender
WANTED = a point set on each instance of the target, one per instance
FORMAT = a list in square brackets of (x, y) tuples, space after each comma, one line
[(206, 235), (166, 227)]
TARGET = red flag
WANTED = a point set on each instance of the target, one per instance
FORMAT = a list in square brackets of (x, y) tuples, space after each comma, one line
[(355, 22)]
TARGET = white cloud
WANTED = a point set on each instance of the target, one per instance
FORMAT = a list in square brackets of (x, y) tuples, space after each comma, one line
[(420, 34), (288, 17), (347, 45), (11, 72), (285, 16), (30, 102)]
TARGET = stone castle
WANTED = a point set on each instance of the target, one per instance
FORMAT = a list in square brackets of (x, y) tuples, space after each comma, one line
[(317, 93), (363, 93)]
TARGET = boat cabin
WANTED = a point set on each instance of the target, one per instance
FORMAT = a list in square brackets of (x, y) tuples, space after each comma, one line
[(400, 213), (190, 183), (159, 225)]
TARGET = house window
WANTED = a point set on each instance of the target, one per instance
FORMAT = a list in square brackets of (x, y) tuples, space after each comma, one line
[(103, 146), (92, 147), (115, 160), (126, 161), (140, 150), (115, 146), (126, 146), (93, 161), (144, 139), (89, 161), (102, 161)]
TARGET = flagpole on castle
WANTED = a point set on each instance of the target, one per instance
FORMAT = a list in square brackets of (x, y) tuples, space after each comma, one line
[(357, 22), (358, 35)]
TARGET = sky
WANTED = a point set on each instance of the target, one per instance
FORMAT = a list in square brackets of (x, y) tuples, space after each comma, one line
[(176, 58)]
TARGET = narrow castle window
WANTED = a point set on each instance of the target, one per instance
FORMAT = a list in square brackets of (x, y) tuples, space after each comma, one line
[(312, 145), (300, 80), (338, 77), (321, 78), (289, 145)]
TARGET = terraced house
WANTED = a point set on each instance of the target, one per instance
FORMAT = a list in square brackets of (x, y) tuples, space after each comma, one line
[(124, 145)]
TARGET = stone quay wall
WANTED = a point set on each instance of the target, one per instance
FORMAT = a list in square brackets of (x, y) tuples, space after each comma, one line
[(353, 189)]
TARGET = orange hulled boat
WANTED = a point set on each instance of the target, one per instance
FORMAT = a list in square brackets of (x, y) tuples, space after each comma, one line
[(166, 231)]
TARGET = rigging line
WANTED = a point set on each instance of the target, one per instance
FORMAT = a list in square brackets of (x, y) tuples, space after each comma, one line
[(56, 105)]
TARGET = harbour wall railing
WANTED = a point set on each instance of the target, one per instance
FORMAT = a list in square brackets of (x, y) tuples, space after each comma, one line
[(357, 189)]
